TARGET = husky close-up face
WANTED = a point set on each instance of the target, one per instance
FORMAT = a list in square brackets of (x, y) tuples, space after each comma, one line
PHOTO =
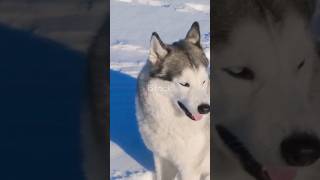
[(264, 55), (181, 71)]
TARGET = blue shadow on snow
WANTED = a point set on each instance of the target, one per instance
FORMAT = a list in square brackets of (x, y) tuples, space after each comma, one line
[(123, 124)]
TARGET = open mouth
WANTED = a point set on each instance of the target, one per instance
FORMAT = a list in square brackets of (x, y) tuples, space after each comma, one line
[(188, 113), (249, 163)]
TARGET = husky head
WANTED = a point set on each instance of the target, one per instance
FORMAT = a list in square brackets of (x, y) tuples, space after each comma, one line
[(263, 62), (182, 68)]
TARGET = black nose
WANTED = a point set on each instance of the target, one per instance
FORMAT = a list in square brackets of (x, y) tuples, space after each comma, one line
[(204, 108), (300, 149)]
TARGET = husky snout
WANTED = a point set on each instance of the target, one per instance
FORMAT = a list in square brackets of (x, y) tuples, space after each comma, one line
[(300, 149), (202, 110), (193, 99)]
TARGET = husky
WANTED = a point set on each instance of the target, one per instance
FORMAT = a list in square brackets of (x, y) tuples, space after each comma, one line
[(173, 107), (265, 123)]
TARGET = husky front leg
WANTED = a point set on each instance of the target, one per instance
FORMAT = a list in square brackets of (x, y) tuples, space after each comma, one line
[(207, 177), (165, 170), (189, 175)]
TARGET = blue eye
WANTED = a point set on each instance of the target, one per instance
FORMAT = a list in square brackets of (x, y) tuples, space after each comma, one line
[(185, 84)]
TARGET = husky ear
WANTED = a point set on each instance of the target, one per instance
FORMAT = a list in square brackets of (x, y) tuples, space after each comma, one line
[(193, 34), (158, 50)]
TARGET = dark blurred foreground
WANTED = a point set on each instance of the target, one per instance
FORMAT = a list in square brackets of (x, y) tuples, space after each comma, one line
[(42, 84)]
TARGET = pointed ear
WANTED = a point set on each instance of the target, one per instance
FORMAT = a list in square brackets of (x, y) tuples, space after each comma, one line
[(158, 49), (193, 35)]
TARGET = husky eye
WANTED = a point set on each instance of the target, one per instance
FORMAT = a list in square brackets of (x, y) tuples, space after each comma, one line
[(203, 82), (240, 73), (185, 84)]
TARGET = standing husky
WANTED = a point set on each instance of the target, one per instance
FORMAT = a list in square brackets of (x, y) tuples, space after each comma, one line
[(173, 107), (265, 125)]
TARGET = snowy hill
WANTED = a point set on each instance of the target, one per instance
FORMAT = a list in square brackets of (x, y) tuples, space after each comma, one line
[(132, 22)]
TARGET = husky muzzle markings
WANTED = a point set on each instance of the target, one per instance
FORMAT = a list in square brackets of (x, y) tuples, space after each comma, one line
[(173, 107), (264, 55)]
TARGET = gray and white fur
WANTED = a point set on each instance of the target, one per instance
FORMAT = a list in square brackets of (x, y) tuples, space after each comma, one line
[(266, 124), (173, 107)]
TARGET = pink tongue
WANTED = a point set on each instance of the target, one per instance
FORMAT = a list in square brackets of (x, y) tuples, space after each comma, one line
[(197, 117), (282, 173)]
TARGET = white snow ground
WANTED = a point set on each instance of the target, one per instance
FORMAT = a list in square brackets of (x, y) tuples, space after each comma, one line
[(132, 23)]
